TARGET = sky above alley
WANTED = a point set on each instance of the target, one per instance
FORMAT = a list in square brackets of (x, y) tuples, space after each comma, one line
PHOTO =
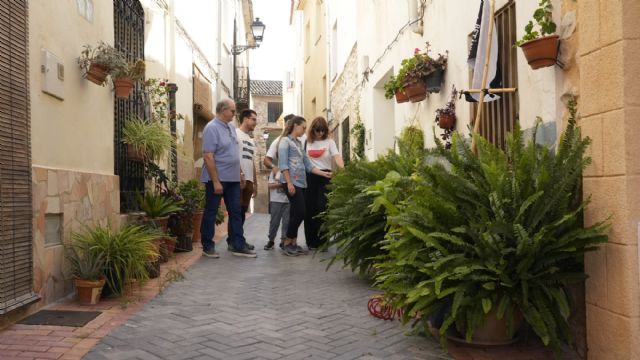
[(276, 54)]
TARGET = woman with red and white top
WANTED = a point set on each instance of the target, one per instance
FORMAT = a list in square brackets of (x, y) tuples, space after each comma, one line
[(322, 152)]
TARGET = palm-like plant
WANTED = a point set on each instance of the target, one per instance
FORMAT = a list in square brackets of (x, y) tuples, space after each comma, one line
[(157, 205), (84, 263), (125, 251)]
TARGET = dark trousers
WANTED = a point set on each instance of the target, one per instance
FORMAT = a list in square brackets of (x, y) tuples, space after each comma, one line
[(316, 202), (231, 195), (296, 211)]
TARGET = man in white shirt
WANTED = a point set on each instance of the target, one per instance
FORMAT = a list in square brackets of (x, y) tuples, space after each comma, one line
[(247, 151)]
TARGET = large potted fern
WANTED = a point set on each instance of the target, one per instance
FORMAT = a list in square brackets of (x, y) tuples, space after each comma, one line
[(498, 235)]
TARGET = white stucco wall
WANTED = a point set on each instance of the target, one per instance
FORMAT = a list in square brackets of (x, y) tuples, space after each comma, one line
[(74, 133), (447, 27)]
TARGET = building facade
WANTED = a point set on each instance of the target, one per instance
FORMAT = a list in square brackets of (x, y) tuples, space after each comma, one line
[(70, 169), (366, 42)]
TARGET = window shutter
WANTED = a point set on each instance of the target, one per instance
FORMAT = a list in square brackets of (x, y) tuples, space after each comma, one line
[(16, 265)]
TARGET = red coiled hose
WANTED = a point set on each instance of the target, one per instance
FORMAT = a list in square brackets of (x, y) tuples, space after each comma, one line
[(383, 311)]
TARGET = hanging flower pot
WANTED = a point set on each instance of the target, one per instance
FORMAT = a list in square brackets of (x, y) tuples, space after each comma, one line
[(401, 97), (134, 153), (415, 90), (433, 81), (97, 74), (541, 52), (446, 121), (123, 87)]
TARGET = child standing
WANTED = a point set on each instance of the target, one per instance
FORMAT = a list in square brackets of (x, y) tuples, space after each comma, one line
[(278, 208)]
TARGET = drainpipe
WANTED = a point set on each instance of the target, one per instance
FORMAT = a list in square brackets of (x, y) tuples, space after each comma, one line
[(414, 13), (219, 64), (172, 41), (329, 36)]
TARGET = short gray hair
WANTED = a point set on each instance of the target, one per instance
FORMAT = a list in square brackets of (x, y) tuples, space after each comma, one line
[(223, 104)]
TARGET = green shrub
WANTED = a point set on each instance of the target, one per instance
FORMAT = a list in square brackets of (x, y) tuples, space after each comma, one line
[(125, 251), (501, 231)]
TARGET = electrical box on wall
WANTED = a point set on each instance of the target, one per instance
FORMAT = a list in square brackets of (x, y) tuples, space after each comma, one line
[(52, 70)]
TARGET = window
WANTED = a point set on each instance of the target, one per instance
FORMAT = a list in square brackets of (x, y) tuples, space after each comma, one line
[(16, 214), (499, 117), (52, 229), (274, 110)]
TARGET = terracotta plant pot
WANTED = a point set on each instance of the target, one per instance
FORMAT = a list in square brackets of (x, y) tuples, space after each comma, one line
[(162, 223), (89, 291), (433, 81), (97, 74), (123, 87), (415, 90), (401, 97), (170, 242), (446, 121), (541, 52), (197, 220), (134, 153), (492, 332)]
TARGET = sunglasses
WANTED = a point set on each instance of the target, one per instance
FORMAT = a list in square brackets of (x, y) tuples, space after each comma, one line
[(319, 130)]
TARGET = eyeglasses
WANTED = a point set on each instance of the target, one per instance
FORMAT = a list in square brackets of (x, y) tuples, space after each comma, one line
[(320, 130), (233, 111)]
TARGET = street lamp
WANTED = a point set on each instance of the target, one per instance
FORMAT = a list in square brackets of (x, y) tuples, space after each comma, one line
[(257, 29)]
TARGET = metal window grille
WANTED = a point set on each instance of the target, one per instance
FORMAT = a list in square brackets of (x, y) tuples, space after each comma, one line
[(128, 18), (500, 116), (274, 109)]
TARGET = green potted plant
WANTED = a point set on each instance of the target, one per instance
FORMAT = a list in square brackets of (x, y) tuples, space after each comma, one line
[(146, 140), (98, 61), (395, 88), (124, 75), (87, 268), (126, 252), (446, 116), (193, 196), (540, 47), (422, 73), (491, 239), (158, 208)]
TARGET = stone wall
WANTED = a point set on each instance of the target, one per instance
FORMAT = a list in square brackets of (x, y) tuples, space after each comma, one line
[(80, 198), (345, 95), (608, 52)]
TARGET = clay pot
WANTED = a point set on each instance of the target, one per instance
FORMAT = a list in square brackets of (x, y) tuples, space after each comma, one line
[(541, 52), (97, 74), (123, 87), (89, 291), (401, 97), (415, 90), (197, 220), (134, 153), (446, 121)]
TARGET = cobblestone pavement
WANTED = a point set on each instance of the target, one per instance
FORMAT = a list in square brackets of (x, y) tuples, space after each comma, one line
[(272, 307)]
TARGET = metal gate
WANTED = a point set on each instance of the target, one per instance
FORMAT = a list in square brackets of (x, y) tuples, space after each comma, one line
[(128, 18)]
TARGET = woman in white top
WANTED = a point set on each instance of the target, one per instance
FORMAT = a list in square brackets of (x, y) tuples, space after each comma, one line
[(322, 153)]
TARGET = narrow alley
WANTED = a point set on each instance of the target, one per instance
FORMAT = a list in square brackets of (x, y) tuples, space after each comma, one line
[(272, 307)]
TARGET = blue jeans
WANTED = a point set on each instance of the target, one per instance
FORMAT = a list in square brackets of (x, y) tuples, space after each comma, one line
[(231, 195)]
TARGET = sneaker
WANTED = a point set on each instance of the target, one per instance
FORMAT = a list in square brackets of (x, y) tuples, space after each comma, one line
[(250, 246), (244, 253), (290, 250), (312, 248), (281, 245), (210, 253), (270, 245), (300, 250)]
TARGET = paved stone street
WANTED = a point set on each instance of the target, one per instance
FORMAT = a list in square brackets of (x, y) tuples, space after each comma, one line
[(272, 307)]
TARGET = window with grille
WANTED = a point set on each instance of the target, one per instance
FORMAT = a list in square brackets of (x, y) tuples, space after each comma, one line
[(274, 110), (128, 18), (16, 238), (500, 116)]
